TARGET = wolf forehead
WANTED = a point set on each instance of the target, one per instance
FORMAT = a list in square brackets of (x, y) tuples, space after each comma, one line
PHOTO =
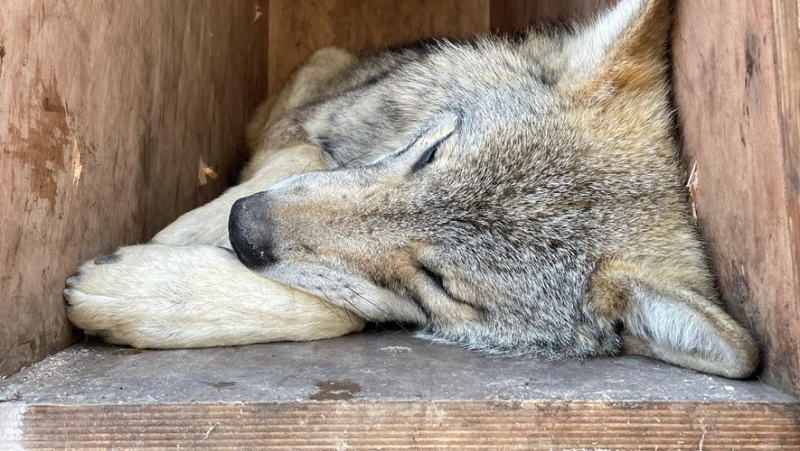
[(390, 97)]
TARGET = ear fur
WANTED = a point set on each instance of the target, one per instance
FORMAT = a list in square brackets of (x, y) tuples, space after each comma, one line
[(624, 48), (671, 322), (681, 327)]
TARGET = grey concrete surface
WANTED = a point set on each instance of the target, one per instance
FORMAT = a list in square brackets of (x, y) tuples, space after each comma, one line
[(388, 366)]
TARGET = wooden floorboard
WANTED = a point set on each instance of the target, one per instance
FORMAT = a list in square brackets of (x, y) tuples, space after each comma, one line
[(419, 424)]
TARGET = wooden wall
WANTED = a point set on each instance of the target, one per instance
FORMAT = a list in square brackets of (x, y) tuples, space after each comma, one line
[(516, 15), (106, 108), (737, 88), (298, 27)]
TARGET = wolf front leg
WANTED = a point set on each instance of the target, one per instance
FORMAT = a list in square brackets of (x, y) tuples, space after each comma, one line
[(158, 296)]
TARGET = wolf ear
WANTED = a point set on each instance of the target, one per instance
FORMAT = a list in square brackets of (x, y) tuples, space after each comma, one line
[(669, 321), (624, 47), (680, 326)]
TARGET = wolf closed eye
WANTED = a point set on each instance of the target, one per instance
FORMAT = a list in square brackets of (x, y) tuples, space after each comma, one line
[(517, 197), (428, 156)]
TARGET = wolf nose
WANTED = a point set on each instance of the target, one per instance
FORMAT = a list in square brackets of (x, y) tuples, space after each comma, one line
[(249, 231)]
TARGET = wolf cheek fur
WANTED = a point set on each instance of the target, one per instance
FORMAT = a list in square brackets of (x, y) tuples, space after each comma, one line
[(534, 207)]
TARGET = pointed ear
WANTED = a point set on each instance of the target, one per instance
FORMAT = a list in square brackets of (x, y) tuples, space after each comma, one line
[(670, 322), (682, 327), (623, 48)]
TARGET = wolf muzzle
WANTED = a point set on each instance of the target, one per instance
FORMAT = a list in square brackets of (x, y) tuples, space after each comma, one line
[(250, 231)]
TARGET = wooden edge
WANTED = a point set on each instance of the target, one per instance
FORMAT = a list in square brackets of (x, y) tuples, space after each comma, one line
[(417, 424), (786, 20)]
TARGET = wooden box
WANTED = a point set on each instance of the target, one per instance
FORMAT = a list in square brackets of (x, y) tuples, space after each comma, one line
[(110, 111)]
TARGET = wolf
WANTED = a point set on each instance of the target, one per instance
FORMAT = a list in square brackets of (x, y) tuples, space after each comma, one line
[(515, 196)]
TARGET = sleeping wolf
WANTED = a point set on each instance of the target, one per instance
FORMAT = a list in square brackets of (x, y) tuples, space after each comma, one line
[(517, 197)]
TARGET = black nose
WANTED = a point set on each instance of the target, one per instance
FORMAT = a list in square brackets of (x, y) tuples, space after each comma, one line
[(249, 230)]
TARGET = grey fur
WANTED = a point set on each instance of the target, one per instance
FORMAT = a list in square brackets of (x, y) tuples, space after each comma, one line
[(515, 213)]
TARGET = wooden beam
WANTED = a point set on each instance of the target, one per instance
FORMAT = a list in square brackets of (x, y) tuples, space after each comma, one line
[(415, 424), (509, 16), (737, 113), (298, 27), (786, 20)]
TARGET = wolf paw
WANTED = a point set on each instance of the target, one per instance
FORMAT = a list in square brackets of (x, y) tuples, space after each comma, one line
[(160, 296), (107, 296), (132, 297)]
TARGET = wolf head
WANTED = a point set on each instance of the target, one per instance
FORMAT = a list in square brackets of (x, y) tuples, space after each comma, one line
[(532, 204)]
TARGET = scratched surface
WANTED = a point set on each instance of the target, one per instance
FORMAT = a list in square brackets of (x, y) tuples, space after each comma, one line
[(388, 366)]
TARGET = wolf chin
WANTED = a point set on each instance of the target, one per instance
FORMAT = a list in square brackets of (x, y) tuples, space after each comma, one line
[(517, 197)]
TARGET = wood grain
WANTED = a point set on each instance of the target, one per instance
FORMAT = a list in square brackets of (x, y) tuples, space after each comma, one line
[(298, 27), (741, 136), (418, 425), (786, 19), (106, 108)]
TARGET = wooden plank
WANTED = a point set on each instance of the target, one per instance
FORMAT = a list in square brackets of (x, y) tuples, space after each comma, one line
[(727, 93), (509, 16), (106, 109), (786, 18), (298, 27), (421, 425)]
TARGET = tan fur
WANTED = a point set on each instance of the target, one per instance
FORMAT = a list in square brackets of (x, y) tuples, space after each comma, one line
[(168, 313)]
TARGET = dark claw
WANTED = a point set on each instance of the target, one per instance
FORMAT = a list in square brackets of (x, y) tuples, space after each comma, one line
[(100, 333), (67, 294), (105, 259), (72, 281)]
